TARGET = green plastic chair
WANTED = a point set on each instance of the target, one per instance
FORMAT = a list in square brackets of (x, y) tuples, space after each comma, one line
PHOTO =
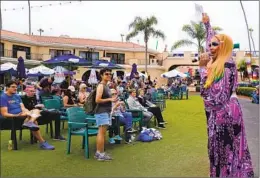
[(158, 99), (184, 91), (77, 125), (54, 104), (176, 93)]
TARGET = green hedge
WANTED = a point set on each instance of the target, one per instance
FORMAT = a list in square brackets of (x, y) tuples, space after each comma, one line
[(245, 91)]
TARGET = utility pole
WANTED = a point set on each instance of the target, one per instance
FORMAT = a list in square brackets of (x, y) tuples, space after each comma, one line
[(122, 37), (253, 42), (29, 6), (41, 31)]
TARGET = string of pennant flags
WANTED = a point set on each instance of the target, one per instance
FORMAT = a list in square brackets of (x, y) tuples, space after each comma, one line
[(40, 6)]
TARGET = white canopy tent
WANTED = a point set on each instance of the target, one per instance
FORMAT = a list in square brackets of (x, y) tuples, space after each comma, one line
[(140, 74), (41, 69), (173, 73)]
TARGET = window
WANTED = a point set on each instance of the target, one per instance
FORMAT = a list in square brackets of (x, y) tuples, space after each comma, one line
[(89, 55), (56, 52), (116, 58), (17, 48), (2, 49)]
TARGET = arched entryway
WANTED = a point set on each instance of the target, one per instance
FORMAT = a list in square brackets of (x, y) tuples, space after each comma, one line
[(86, 75)]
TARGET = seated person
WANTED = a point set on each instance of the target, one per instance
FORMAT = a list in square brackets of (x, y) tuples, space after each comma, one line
[(255, 96), (30, 103), (68, 99), (133, 103), (126, 118), (11, 106), (152, 108), (83, 94)]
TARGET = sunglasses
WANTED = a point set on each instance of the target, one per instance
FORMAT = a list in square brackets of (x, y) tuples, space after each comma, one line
[(213, 44), (114, 93), (107, 74)]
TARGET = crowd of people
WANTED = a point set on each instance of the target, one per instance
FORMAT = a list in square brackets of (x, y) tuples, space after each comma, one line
[(24, 99)]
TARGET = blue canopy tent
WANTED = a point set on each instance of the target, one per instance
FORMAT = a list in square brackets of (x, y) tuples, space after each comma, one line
[(98, 64)]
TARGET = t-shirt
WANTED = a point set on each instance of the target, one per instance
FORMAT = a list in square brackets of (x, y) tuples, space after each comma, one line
[(12, 103), (29, 102)]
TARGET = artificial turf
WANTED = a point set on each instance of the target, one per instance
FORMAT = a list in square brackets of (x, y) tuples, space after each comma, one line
[(181, 153)]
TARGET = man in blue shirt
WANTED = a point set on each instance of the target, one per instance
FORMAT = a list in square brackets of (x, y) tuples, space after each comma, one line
[(11, 106)]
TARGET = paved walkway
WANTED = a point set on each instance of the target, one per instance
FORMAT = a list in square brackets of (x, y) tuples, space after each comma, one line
[(251, 119)]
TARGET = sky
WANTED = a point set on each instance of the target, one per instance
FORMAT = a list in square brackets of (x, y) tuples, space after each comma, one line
[(106, 20)]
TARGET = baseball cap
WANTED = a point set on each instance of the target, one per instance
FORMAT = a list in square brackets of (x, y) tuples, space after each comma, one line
[(71, 88)]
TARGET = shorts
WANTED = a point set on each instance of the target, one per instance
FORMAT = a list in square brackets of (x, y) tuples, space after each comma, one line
[(103, 119)]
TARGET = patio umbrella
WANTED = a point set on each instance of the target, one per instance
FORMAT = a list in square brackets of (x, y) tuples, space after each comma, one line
[(40, 71), (140, 74), (93, 77), (63, 70), (8, 67), (173, 73), (105, 64), (134, 70), (21, 68), (59, 74)]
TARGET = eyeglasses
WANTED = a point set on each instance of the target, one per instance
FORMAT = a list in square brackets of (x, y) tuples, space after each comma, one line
[(213, 44), (13, 86), (108, 74), (114, 93)]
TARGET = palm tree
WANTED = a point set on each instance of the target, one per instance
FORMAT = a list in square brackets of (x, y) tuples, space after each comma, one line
[(242, 68), (145, 26), (251, 31), (196, 32)]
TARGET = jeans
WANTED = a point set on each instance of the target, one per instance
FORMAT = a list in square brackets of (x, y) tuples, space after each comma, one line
[(126, 119)]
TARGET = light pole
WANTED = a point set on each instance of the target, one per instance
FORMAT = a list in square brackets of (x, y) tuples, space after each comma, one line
[(1, 25), (29, 6), (41, 31), (122, 37), (251, 32)]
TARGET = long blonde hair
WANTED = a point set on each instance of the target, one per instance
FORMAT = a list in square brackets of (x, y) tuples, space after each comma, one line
[(216, 69)]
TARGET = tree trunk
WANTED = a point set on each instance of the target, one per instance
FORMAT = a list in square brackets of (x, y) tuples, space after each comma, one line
[(29, 6), (248, 35), (252, 41), (146, 61)]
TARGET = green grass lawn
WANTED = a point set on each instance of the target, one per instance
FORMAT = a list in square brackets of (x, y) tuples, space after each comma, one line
[(181, 152)]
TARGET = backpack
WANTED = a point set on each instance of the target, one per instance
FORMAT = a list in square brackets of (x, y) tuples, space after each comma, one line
[(90, 105), (148, 135)]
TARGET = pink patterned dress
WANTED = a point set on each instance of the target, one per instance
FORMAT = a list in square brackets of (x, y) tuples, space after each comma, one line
[(227, 145)]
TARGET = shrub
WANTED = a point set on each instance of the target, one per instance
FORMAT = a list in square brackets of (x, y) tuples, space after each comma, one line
[(245, 91)]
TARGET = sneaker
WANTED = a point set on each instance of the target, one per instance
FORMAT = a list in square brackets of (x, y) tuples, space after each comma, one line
[(131, 131), (117, 137), (31, 126), (46, 146), (102, 157), (163, 122), (111, 141), (60, 138), (161, 127)]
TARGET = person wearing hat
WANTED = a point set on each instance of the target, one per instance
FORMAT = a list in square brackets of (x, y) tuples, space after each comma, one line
[(83, 94), (68, 99)]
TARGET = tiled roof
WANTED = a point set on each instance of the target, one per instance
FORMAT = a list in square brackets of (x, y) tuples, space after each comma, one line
[(69, 41)]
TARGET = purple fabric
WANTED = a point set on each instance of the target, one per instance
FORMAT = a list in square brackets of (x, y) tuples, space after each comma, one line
[(209, 34), (21, 68), (134, 70), (227, 145)]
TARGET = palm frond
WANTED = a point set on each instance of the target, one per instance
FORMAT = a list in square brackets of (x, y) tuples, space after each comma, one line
[(217, 29), (189, 30), (181, 43), (151, 21), (132, 34), (137, 20), (158, 34)]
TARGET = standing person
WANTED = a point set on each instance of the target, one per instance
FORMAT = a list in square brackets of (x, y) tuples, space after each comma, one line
[(65, 84), (44, 86), (227, 145), (102, 114)]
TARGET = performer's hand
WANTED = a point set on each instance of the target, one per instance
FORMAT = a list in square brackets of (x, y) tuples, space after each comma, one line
[(205, 18), (204, 59)]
